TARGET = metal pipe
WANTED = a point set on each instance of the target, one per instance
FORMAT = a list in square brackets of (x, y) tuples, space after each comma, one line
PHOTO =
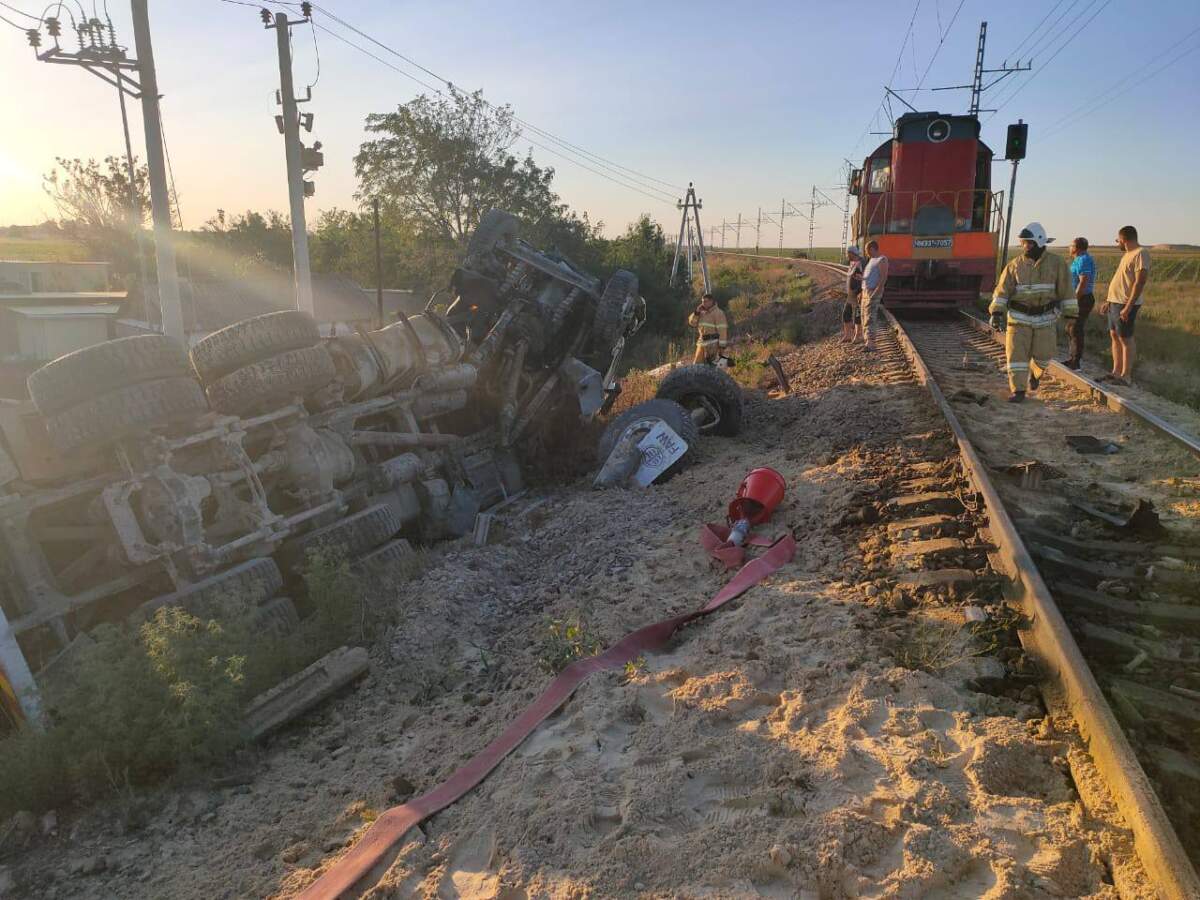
[(401, 439)]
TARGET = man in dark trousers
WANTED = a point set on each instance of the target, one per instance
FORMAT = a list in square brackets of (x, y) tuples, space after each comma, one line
[(852, 311), (1083, 282)]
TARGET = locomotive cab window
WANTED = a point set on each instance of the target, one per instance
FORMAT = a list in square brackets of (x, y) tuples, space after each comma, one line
[(881, 177)]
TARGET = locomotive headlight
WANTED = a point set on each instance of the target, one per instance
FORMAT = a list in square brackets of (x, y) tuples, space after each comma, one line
[(938, 130)]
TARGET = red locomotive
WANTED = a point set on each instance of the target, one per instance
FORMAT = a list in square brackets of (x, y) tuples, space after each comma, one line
[(925, 196)]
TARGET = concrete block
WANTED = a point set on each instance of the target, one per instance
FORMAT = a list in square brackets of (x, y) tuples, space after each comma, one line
[(304, 690)]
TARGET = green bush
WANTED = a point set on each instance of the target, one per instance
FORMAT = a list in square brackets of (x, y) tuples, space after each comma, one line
[(141, 704)]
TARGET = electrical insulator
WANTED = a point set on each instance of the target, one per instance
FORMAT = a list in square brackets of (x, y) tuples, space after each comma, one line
[(35, 38), (53, 27), (309, 189), (306, 10), (266, 16)]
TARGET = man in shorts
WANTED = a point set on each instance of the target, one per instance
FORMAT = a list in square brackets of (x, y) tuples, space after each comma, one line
[(1125, 301), (851, 314)]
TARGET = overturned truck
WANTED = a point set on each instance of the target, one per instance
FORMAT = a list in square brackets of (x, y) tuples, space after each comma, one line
[(142, 475)]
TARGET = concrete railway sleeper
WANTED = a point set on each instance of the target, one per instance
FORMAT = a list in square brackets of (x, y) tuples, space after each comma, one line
[(1111, 613)]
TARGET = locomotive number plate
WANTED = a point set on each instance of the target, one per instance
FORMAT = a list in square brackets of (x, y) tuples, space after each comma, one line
[(920, 243)]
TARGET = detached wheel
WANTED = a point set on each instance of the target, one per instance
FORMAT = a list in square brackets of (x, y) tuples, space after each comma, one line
[(615, 309), (497, 228), (86, 374), (252, 340), (350, 537), (710, 390), (645, 416), (124, 412), (270, 382), (243, 587)]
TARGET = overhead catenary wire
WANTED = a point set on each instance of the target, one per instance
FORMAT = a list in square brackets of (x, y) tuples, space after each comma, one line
[(1049, 39), (663, 198), (1053, 57), (631, 174), (1125, 84), (1016, 50)]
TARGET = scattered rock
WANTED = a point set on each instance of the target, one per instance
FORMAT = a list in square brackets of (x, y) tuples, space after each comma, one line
[(293, 854), (49, 823), (92, 864), (780, 856), (975, 614), (899, 601), (264, 849), (870, 590)]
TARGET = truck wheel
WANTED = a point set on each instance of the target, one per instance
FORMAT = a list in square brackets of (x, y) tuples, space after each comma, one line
[(251, 340), (497, 228), (615, 308), (247, 584), (125, 411), (710, 389), (645, 416), (272, 381), (85, 374), (350, 537)]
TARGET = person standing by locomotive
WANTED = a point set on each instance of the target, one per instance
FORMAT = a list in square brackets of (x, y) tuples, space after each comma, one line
[(1125, 301), (1083, 280), (1034, 290), (851, 313), (875, 276), (712, 331)]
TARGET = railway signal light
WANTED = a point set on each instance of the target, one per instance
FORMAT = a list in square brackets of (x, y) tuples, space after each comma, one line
[(1018, 137), (306, 10), (266, 16)]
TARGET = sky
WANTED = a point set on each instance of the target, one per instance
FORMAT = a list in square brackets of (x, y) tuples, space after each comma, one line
[(753, 102)]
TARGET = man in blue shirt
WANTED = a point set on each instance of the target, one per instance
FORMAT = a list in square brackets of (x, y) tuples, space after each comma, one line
[(1083, 283)]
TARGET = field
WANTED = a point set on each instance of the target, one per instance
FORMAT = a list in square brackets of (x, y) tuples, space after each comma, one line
[(42, 249), (823, 254)]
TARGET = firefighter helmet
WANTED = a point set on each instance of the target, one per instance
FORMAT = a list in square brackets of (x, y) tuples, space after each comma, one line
[(1036, 233)]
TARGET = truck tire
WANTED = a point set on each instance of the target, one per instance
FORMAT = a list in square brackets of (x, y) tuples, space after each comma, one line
[(85, 374), (615, 308), (251, 340), (350, 537), (248, 584), (272, 381), (495, 229), (706, 386), (645, 415), (276, 618), (125, 411)]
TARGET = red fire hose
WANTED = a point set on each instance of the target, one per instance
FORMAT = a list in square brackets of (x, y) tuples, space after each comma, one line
[(392, 825)]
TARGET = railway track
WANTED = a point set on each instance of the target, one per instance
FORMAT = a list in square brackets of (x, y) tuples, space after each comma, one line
[(1102, 553)]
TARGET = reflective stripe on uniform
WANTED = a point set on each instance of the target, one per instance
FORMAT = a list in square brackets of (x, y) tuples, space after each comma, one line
[(1040, 320)]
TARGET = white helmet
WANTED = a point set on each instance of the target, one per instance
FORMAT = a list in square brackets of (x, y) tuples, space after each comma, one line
[(853, 250), (1036, 233)]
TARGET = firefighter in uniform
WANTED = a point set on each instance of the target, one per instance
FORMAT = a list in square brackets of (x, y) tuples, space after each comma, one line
[(1033, 293), (712, 331)]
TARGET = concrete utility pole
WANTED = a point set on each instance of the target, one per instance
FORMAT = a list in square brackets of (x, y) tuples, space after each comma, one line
[(160, 199), (738, 234), (757, 232), (295, 172)]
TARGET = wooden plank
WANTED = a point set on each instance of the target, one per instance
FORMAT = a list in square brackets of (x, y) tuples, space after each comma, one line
[(1174, 615)]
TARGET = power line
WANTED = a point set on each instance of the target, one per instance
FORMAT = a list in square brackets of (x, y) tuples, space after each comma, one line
[(21, 12), (440, 92), (596, 158), (1033, 31), (941, 40), (1045, 41), (1111, 93), (13, 24), (1042, 68)]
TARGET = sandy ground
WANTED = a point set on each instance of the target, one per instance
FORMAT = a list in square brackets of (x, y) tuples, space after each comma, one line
[(777, 749)]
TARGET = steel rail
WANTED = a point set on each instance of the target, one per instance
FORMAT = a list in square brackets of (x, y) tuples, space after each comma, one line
[(1113, 400), (1071, 683)]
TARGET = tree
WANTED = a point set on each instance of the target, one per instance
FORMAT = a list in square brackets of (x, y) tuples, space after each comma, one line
[(643, 249), (96, 196), (93, 201), (252, 237), (440, 164)]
